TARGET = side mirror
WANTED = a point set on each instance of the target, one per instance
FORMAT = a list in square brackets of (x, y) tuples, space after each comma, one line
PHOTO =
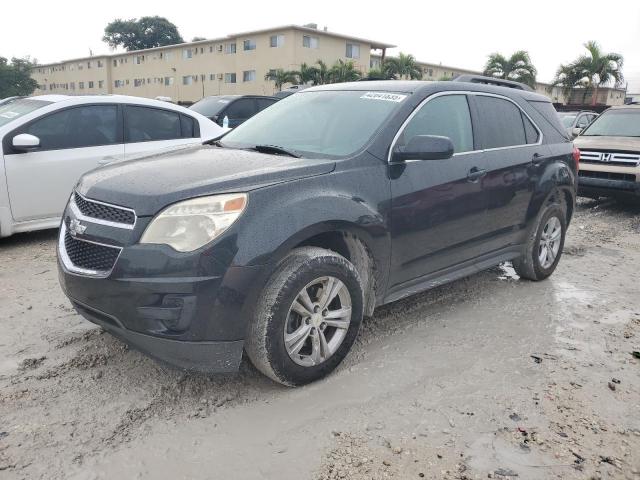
[(26, 142), (424, 147), (576, 131)]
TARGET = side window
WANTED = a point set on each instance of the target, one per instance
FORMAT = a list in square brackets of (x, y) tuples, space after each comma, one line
[(79, 127), (583, 121), (501, 122), (264, 103), (143, 124), (530, 131), (243, 108), (447, 116), (188, 127)]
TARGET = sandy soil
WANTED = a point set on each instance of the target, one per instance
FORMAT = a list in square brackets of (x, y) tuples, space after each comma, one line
[(488, 377)]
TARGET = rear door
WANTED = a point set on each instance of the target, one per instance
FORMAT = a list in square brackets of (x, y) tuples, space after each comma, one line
[(512, 147), (72, 142), (149, 130), (439, 207)]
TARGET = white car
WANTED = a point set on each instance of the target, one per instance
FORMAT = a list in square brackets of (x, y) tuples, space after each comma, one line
[(47, 142)]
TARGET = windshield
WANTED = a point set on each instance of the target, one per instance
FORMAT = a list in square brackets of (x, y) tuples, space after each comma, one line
[(567, 120), (19, 108), (318, 123), (210, 106), (616, 123)]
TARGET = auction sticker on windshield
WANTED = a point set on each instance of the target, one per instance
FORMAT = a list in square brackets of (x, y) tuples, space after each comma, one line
[(387, 97)]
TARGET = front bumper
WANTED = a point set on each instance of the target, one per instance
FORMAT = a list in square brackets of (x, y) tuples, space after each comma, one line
[(590, 187)]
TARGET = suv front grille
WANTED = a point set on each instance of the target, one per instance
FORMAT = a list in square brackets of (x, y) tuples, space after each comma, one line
[(101, 211), (93, 257), (627, 177), (612, 158)]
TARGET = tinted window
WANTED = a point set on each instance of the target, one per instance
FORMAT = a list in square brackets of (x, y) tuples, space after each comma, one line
[(243, 108), (188, 126), (144, 124), (88, 126), (211, 106), (530, 131), (447, 116), (501, 123), (264, 103)]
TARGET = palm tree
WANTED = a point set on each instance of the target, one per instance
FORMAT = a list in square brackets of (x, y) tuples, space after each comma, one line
[(342, 71), (517, 67), (592, 71), (307, 74), (323, 74), (403, 67), (379, 74), (280, 76)]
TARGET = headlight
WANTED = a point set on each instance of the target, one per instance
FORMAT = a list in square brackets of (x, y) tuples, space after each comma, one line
[(188, 225)]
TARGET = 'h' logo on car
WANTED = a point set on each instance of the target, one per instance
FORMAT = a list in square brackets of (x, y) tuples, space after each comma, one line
[(76, 228), (606, 157)]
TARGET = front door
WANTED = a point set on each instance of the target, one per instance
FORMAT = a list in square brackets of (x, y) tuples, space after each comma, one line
[(72, 142), (438, 212)]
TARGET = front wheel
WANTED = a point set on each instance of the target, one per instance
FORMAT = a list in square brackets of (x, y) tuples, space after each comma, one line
[(545, 244), (307, 317)]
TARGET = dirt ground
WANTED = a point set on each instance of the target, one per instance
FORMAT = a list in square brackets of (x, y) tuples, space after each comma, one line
[(488, 377)]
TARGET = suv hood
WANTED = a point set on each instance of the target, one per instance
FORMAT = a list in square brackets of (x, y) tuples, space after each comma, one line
[(629, 144), (148, 185)]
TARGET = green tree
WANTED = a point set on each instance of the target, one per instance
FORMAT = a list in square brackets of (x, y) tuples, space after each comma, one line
[(280, 76), (145, 32), (342, 71), (404, 67), (323, 73), (197, 39), (592, 71), (15, 77), (517, 67), (379, 74), (307, 74)]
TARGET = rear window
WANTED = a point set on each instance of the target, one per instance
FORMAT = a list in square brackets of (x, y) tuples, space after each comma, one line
[(19, 108), (211, 106), (547, 110)]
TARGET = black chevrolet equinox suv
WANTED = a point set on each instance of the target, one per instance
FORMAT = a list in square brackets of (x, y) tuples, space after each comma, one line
[(278, 238)]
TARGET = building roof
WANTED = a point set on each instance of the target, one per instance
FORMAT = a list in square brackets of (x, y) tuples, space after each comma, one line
[(374, 44)]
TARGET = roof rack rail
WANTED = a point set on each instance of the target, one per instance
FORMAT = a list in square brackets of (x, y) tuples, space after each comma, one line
[(499, 82)]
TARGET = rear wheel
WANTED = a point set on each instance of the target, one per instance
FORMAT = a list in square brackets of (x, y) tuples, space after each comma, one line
[(307, 317), (545, 244)]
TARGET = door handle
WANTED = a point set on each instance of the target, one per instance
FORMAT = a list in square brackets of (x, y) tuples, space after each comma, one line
[(537, 159), (475, 174)]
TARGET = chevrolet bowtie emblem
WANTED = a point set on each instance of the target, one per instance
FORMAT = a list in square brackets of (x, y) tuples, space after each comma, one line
[(76, 228)]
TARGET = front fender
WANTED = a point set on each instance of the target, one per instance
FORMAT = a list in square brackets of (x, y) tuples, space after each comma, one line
[(556, 176)]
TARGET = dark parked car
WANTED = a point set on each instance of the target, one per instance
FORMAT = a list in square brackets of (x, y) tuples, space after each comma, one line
[(279, 238), (236, 108)]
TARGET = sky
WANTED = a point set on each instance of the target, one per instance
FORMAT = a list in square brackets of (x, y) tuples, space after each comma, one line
[(458, 34)]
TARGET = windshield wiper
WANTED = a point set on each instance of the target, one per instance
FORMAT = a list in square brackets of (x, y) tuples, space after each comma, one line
[(275, 149)]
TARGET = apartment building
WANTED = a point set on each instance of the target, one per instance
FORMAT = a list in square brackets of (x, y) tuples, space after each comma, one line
[(236, 64)]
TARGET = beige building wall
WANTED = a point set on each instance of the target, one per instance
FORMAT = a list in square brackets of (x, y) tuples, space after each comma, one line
[(189, 71)]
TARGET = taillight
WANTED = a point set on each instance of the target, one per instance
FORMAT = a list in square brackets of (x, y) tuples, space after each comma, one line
[(576, 157)]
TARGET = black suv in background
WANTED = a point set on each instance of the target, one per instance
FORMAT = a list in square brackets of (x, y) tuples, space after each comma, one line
[(279, 238), (237, 108)]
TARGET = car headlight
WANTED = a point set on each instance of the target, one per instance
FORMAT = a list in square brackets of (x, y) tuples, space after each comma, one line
[(189, 225)]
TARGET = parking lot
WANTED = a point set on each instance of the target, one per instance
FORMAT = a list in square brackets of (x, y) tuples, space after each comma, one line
[(489, 375)]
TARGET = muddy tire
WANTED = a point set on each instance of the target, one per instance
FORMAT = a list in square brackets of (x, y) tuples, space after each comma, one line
[(544, 246), (306, 318)]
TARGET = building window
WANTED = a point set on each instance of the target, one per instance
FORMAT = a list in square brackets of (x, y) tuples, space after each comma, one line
[(188, 80), (212, 77), (249, 45), (81, 85), (90, 84), (353, 50), (115, 63), (118, 83), (80, 66), (276, 41), (211, 49), (100, 83), (139, 59), (249, 76), (88, 65), (73, 85), (137, 82), (187, 53), (168, 56), (309, 42), (229, 78), (230, 48), (168, 81), (100, 64)]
